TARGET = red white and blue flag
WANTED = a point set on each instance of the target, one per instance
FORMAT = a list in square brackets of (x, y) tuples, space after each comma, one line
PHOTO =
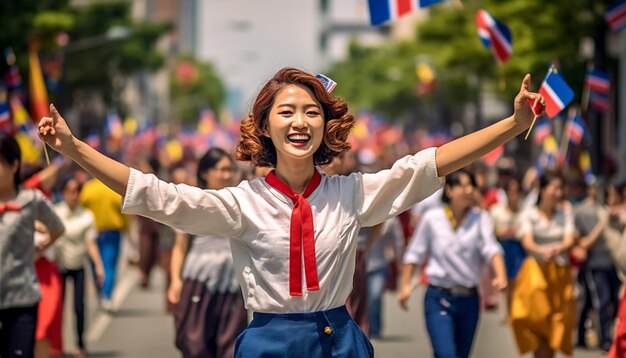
[(615, 15), (384, 11), (6, 124), (495, 35), (575, 129), (542, 130), (598, 81), (556, 93), (599, 102)]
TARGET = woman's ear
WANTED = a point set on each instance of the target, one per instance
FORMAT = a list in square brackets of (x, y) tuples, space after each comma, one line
[(14, 166)]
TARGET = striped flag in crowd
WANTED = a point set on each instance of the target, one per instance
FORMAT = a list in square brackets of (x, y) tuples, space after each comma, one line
[(556, 93), (598, 81), (6, 125), (598, 84), (495, 35), (542, 130), (383, 11), (38, 91), (575, 129), (615, 15), (599, 102)]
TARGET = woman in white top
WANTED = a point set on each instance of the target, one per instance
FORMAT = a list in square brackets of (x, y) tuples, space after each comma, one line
[(543, 307), (293, 233), (209, 312), (458, 238)]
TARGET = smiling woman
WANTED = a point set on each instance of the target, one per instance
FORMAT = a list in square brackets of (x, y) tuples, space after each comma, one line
[(294, 269), (293, 94)]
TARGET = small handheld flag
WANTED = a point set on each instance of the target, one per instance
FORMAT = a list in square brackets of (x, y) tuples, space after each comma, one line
[(495, 35), (327, 82), (598, 81), (615, 15), (556, 93), (383, 11), (537, 108)]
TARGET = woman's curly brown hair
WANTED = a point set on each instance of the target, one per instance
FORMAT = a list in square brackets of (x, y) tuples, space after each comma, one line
[(259, 149)]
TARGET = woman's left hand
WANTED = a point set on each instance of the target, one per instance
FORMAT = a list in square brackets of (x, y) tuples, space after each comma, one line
[(500, 283), (523, 111)]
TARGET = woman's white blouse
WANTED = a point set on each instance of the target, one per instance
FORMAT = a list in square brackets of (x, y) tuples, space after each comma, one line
[(256, 218), (455, 257)]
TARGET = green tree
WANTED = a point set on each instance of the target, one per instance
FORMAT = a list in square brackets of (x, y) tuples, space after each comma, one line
[(194, 85), (542, 32), (106, 47)]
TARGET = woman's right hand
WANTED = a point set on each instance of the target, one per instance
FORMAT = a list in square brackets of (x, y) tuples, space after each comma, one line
[(55, 132), (173, 292), (547, 253)]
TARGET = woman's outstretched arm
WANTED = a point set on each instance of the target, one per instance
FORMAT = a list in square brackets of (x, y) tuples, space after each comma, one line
[(461, 152), (55, 132)]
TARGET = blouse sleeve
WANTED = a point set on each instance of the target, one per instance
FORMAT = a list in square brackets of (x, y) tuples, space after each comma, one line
[(46, 214), (525, 223), (490, 246), (382, 195), (185, 208), (419, 245)]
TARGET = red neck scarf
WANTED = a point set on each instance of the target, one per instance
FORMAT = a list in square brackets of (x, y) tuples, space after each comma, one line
[(300, 234), (4, 207)]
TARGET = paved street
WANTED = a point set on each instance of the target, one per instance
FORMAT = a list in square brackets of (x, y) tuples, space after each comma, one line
[(141, 328)]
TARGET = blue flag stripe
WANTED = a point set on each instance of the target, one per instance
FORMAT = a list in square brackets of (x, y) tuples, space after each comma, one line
[(558, 85), (379, 11)]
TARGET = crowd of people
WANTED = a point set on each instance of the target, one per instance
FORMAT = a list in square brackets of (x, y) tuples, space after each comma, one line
[(311, 251)]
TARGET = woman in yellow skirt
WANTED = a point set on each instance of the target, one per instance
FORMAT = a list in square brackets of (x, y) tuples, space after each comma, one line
[(543, 310)]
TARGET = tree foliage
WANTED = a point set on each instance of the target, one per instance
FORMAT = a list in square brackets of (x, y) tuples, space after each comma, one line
[(383, 78), (194, 86)]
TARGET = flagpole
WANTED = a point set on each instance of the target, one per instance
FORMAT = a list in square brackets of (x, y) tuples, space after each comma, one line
[(584, 100), (45, 151), (534, 119), (502, 79), (565, 137)]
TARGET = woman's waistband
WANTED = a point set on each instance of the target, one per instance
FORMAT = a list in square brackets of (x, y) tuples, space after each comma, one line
[(332, 314)]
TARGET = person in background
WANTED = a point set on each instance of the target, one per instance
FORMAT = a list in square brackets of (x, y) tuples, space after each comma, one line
[(616, 204), (378, 271), (20, 208), (71, 250), (543, 309), (598, 270), (505, 216), (457, 238), (209, 311), (105, 204)]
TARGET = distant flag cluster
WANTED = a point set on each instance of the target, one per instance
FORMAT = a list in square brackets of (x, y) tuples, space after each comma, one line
[(384, 11), (495, 35), (598, 85), (555, 92), (615, 15)]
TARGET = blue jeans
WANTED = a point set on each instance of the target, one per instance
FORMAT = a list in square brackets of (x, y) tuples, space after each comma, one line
[(376, 281), (109, 246), (451, 322)]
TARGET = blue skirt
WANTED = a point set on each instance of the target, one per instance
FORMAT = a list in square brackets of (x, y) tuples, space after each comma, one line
[(514, 255), (330, 333)]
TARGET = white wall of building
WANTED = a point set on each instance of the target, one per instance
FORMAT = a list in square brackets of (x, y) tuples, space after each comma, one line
[(249, 41)]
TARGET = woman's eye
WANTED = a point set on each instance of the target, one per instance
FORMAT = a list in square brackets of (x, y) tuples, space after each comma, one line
[(312, 113), (284, 113)]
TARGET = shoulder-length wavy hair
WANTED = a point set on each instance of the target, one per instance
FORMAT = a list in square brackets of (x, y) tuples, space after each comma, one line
[(257, 148)]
